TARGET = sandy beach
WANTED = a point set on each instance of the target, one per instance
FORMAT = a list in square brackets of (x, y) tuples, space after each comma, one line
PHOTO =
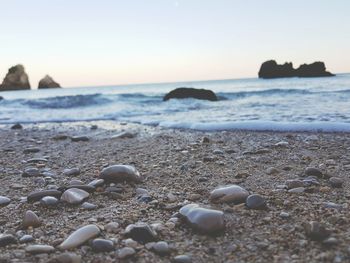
[(178, 167)]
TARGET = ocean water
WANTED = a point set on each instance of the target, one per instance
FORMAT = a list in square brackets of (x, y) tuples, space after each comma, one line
[(280, 104)]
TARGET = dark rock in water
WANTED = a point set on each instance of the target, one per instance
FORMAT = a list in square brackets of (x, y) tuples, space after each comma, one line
[(120, 173), (270, 69), (102, 245), (205, 220), (316, 69), (36, 196), (48, 83), (15, 79), (1, 98), (316, 231), (80, 139), (17, 126), (141, 232), (183, 93), (6, 239), (256, 201)]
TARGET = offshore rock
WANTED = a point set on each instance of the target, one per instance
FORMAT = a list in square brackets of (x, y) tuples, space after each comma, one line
[(48, 83), (184, 93), (15, 79)]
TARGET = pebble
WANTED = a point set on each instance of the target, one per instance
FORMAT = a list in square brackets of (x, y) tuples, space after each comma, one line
[(102, 245), (4, 201), (112, 227), (80, 139), (80, 236), (161, 248), (331, 241), (316, 231), (332, 205), (297, 190), (49, 201), (88, 206), (141, 191), (86, 188), (39, 249), (272, 171), (141, 232), (336, 182), (311, 171), (229, 194), (30, 220), (26, 239), (203, 219), (256, 201), (31, 150), (37, 160), (131, 243), (182, 259), (120, 173), (97, 183), (284, 215), (294, 184), (7, 239), (31, 172), (67, 258), (74, 196), (71, 172), (126, 252), (37, 196)]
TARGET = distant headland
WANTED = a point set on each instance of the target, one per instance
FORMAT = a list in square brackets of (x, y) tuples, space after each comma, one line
[(270, 70), (17, 79)]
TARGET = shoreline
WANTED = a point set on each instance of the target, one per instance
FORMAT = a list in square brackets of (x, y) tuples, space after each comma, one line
[(179, 167)]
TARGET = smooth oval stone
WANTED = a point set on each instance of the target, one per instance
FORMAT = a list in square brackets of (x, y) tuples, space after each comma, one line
[(256, 201), (161, 248), (336, 182), (112, 227), (31, 172), (49, 201), (102, 245), (7, 239), (203, 219), (36, 196), (67, 258), (120, 173), (97, 183), (74, 196), (4, 201), (141, 232), (229, 194), (311, 171), (30, 220), (37, 160), (297, 190), (80, 236), (88, 206), (126, 252), (86, 188), (182, 259), (71, 172), (39, 249), (26, 239)]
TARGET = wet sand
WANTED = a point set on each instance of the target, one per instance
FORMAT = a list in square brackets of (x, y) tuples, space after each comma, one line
[(180, 167)]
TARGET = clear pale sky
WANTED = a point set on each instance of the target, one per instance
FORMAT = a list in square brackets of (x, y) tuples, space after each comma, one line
[(106, 42)]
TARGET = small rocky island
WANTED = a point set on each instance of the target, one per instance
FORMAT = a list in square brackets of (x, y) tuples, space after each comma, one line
[(48, 83), (270, 69), (184, 93), (15, 79)]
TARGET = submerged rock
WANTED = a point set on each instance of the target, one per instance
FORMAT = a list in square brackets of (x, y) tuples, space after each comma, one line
[(80, 236), (183, 93), (203, 219), (15, 79), (120, 173), (48, 83), (229, 194)]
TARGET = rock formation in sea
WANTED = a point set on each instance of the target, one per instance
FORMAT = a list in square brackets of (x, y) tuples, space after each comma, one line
[(47, 82), (15, 79), (270, 69), (183, 93)]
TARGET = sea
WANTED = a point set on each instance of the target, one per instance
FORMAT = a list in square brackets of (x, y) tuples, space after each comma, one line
[(287, 104)]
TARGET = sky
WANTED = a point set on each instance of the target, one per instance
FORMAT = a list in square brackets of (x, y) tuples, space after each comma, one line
[(112, 42)]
